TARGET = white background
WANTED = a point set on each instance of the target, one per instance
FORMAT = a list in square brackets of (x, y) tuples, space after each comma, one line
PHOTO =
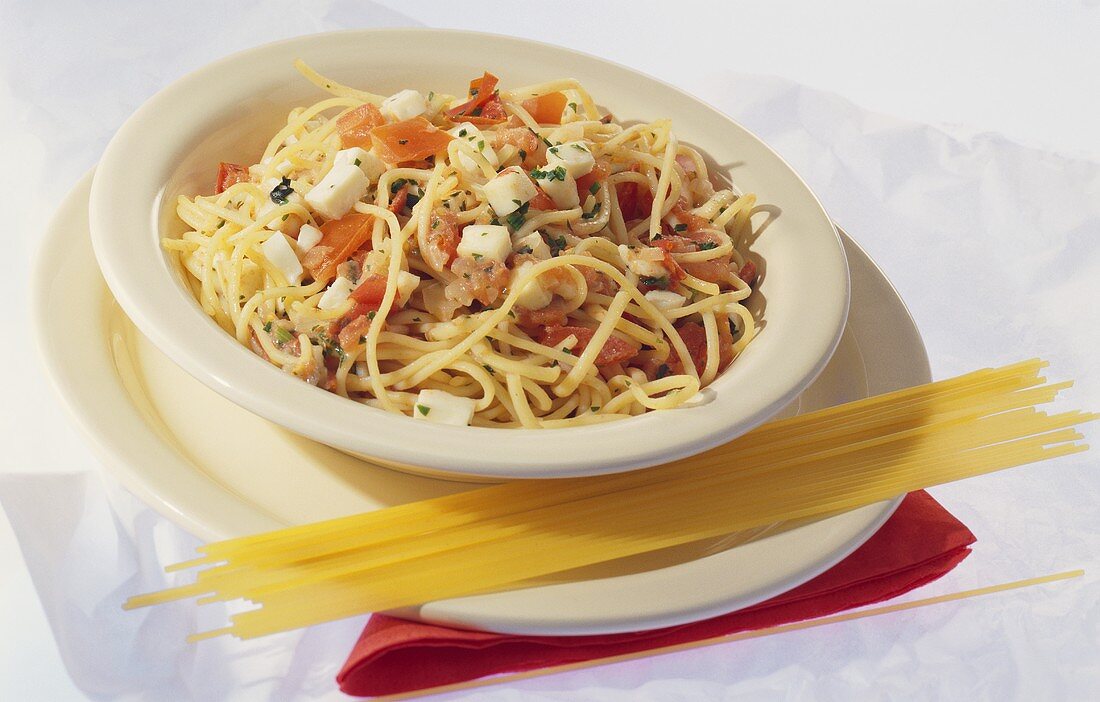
[(70, 72)]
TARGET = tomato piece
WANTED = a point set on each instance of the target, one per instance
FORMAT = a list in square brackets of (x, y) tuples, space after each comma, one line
[(692, 222), (399, 199), (481, 91), (489, 113), (674, 243), (615, 349), (520, 137), (541, 201), (442, 240), (355, 126), (341, 238), (635, 200), (370, 291), (695, 339), (546, 109), (550, 316), (349, 332), (409, 140), (748, 273), (715, 270), (598, 174), (230, 174)]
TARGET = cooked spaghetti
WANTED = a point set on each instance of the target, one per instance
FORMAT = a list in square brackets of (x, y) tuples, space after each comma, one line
[(513, 258)]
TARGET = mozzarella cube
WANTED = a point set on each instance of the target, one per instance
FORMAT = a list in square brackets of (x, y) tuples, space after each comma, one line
[(532, 244), (532, 295), (665, 299), (404, 105), (509, 190), (337, 294), (308, 237), (485, 241), (574, 155), (559, 185), (442, 407), (471, 134), (338, 191), (406, 285), (372, 166), (566, 133), (278, 251)]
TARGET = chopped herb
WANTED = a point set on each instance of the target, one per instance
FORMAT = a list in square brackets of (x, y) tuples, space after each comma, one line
[(282, 335), (402, 141), (358, 162), (476, 112), (680, 228), (596, 408), (554, 363), (568, 351), (511, 314), (525, 249), (462, 132), (594, 188), (494, 221), (517, 218), (573, 106), (579, 147), (220, 224), (285, 216), (522, 155), (595, 211), (411, 200), (466, 276), (654, 281), (416, 319), (663, 370), (646, 347), (370, 315), (481, 145), (550, 175), (474, 92), (267, 327), (431, 95), (423, 409), (547, 142), (478, 257), (557, 244), (707, 245), (554, 150), (489, 368), (398, 184), (281, 193)]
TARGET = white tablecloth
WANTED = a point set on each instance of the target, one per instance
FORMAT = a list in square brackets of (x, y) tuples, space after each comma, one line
[(993, 245)]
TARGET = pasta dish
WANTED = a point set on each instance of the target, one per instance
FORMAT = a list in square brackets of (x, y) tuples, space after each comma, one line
[(508, 258)]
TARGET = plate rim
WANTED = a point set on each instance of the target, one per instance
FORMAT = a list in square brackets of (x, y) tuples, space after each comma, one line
[(121, 466)]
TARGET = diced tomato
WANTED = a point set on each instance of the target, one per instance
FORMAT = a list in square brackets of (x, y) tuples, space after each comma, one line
[(598, 282), (676, 244), (686, 162), (748, 273), (520, 137), (550, 316), (370, 291), (715, 270), (692, 222), (695, 339), (546, 109), (675, 272), (482, 280), (484, 105), (598, 174), (409, 140), (351, 332), (541, 201), (443, 238), (615, 350), (635, 200), (725, 344), (341, 238), (230, 174), (398, 203), (355, 126)]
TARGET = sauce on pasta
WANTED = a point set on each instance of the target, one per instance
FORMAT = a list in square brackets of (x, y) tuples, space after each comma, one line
[(508, 258)]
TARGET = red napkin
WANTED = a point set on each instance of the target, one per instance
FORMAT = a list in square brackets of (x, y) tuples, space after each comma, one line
[(919, 543)]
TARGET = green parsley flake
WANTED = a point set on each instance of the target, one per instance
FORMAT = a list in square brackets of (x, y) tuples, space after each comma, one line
[(594, 188), (660, 282), (423, 409), (707, 245)]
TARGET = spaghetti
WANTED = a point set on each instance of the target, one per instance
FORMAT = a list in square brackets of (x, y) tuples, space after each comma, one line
[(803, 468), (513, 258)]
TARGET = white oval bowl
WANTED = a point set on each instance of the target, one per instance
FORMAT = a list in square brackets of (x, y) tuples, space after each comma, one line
[(228, 110)]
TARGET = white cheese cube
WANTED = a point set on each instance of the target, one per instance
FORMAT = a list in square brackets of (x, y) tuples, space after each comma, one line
[(532, 244), (559, 185), (442, 407), (372, 166), (574, 155), (647, 261), (404, 105), (338, 191), (308, 237), (406, 285), (665, 299), (566, 133), (280, 253), (509, 190), (471, 134), (337, 294), (532, 295), (485, 241)]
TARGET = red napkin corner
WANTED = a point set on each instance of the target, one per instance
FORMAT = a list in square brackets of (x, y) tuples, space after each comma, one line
[(921, 542)]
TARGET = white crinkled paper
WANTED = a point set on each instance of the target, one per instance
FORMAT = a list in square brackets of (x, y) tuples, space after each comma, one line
[(995, 249)]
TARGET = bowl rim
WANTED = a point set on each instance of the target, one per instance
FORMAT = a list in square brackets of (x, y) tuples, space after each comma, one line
[(478, 452)]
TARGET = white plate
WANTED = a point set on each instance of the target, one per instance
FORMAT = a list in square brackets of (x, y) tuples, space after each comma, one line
[(219, 471)]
